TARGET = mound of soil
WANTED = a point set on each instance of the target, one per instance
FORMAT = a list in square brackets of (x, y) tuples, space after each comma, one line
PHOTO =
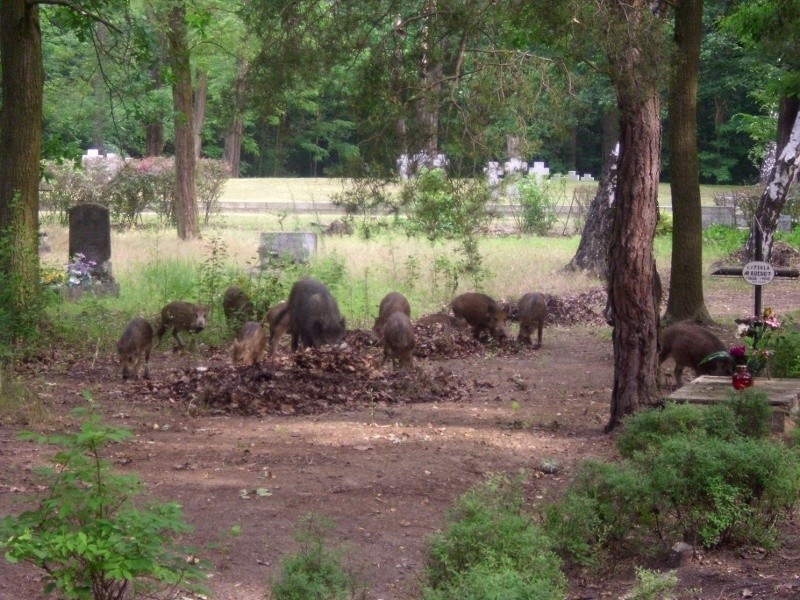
[(784, 256)]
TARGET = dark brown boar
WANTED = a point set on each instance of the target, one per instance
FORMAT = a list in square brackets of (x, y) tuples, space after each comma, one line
[(314, 318), (532, 313), (391, 303), (182, 316), (445, 320), (277, 327), (134, 347), (482, 313), (688, 344), (236, 306), (398, 339), (249, 345)]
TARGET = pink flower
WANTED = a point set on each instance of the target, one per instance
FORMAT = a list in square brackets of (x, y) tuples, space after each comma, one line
[(738, 351)]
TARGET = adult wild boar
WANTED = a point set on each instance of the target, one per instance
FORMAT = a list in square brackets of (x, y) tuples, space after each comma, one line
[(482, 313), (688, 344), (134, 348), (314, 318)]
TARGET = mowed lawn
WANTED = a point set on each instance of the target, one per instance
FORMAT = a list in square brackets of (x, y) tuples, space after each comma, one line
[(320, 189)]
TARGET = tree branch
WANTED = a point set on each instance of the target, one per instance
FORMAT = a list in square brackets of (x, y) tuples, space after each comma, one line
[(75, 8)]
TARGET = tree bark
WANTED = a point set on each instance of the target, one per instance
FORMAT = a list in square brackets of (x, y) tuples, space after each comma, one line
[(20, 152), (232, 151), (186, 211), (199, 106), (592, 253), (634, 289), (783, 173), (686, 300)]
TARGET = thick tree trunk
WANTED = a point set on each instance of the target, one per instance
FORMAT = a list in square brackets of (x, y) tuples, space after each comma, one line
[(186, 211), (99, 89), (232, 152), (199, 105), (20, 152), (686, 282), (592, 253), (783, 173), (634, 288), (633, 283)]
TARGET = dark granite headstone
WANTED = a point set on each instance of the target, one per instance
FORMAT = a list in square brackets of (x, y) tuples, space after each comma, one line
[(90, 232)]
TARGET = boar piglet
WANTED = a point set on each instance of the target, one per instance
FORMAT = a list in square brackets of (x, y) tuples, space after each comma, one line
[(279, 321), (134, 348), (398, 339), (182, 316), (532, 313), (392, 302), (249, 345)]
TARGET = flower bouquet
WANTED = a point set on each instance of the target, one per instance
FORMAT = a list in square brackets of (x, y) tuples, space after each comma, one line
[(754, 352)]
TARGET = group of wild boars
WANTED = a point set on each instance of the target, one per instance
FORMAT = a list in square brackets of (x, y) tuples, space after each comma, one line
[(314, 318), (532, 314), (249, 345), (394, 330), (182, 316), (135, 346), (482, 313), (688, 344)]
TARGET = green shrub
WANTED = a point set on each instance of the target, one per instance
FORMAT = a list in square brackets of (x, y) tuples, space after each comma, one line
[(536, 199), (649, 428), (488, 544), (316, 572), (664, 224), (723, 240), (87, 534), (785, 359), (652, 585)]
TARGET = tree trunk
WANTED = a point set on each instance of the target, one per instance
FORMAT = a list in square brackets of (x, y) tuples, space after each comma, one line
[(20, 152), (99, 89), (686, 282), (232, 153), (634, 288), (186, 211), (199, 106), (592, 253), (783, 173)]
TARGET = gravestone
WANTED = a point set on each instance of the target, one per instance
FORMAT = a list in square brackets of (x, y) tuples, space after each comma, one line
[(90, 235), (718, 215), (587, 177), (403, 166), (281, 245), (538, 169), (493, 172), (573, 176)]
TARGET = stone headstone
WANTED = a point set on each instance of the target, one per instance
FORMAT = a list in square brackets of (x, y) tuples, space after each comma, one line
[(403, 166), (538, 169), (515, 164), (718, 215), (90, 235), (587, 177), (493, 172), (784, 223), (573, 176), (294, 246)]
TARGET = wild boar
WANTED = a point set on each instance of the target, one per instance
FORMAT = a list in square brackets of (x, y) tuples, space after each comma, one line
[(688, 344), (249, 345), (398, 339), (391, 303), (134, 348), (532, 313), (314, 318), (482, 313), (277, 327), (237, 307), (182, 316)]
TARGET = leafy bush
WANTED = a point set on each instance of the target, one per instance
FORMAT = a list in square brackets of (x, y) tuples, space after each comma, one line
[(785, 359), (211, 178), (316, 572), (87, 534), (664, 224), (652, 585), (723, 240), (535, 199), (648, 429), (490, 550)]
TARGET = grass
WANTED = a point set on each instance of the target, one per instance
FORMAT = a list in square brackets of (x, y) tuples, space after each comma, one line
[(307, 189)]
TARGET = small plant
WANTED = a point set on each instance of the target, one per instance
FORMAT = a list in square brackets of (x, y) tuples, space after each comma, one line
[(652, 585), (535, 200), (316, 572), (212, 271), (88, 535), (488, 549)]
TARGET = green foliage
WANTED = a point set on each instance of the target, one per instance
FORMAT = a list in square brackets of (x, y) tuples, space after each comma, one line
[(534, 200), (652, 585), (722, 240), (211, 178), (211, 276), (664, 224), (88, 534), (706, 476), (19, 404), (785, 359), (488, 549), (316, 572)]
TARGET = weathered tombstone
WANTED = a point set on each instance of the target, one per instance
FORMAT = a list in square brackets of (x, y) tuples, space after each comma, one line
[(515, 164), (282, 245), (90, 236), (784, 223), (493, 172), (718, 215), (403, 166), (539, 170), (573, 176), (587, 177)]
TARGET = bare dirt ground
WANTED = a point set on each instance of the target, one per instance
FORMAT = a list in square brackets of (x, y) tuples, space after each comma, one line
[(383, 466)]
